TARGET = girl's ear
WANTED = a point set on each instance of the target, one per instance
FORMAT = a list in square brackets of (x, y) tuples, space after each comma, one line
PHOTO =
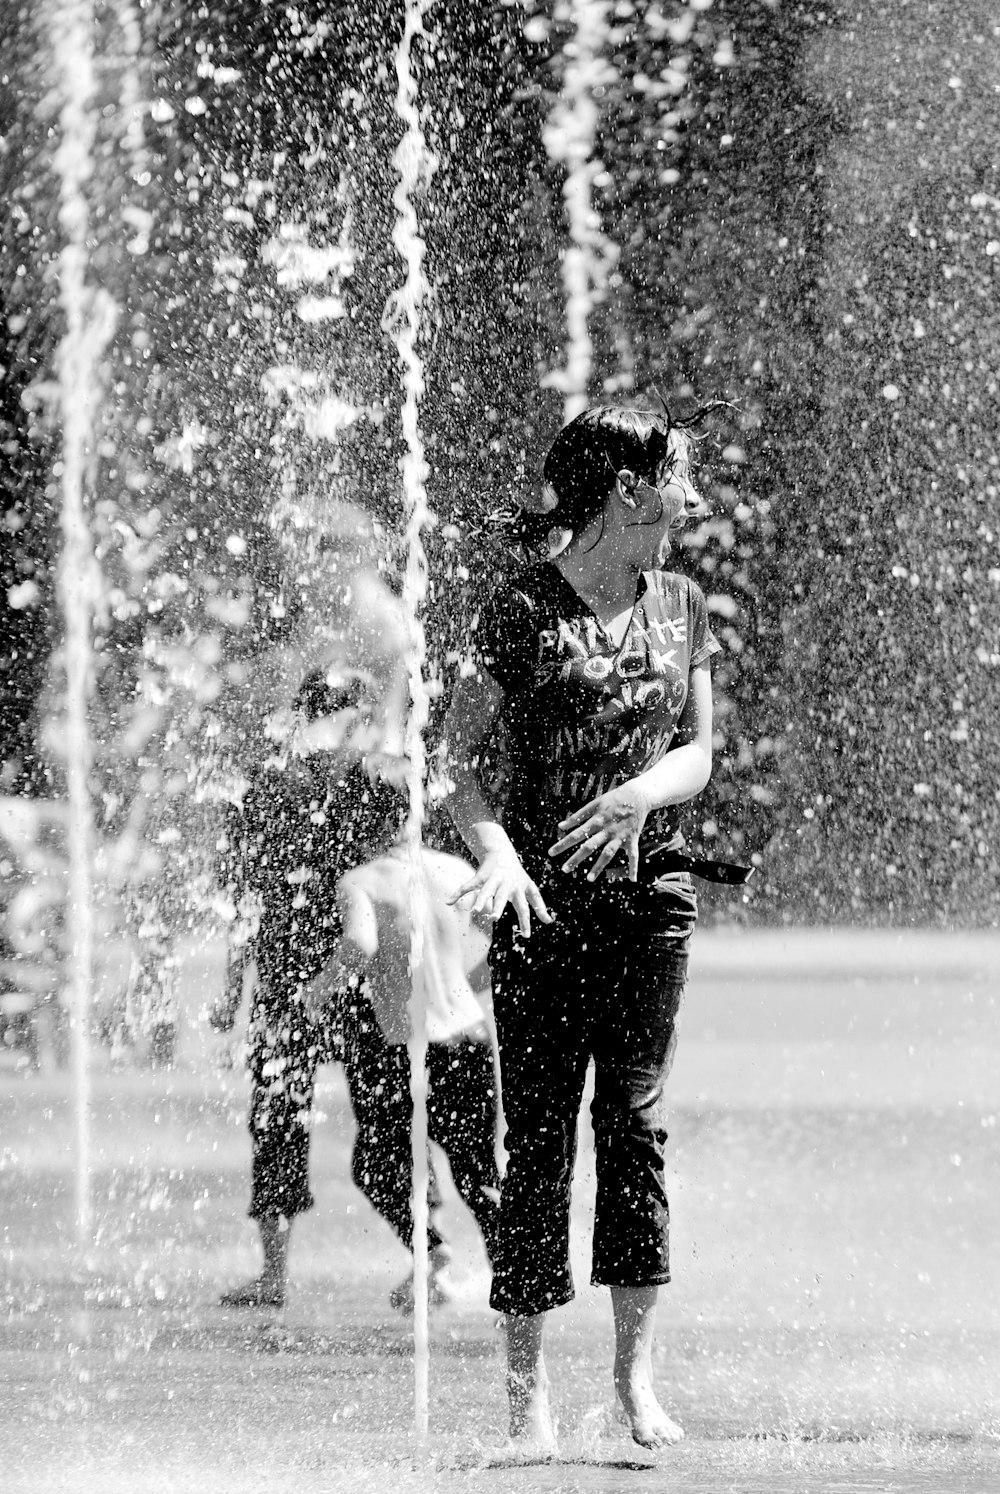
[(626, 483)]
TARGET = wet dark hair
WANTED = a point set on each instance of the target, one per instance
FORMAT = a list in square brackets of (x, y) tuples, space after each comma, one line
[(588, 454)]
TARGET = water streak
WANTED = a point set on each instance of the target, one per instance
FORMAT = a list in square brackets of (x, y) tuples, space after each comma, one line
[(569, 137), (415, 164), (315, 403), (89, 320), (130, 90)]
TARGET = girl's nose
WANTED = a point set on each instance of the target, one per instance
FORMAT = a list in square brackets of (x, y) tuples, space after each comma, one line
[(694, 504)]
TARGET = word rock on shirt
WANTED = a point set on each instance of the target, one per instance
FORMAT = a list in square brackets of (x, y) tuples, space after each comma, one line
[(582, 714)]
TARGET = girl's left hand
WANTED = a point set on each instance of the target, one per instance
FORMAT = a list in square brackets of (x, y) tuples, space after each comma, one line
[(609, 824)]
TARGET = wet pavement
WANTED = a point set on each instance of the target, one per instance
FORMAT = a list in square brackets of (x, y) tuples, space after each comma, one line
[(833, 1325)]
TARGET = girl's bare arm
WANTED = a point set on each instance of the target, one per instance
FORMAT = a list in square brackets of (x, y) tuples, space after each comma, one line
[(501, 879)]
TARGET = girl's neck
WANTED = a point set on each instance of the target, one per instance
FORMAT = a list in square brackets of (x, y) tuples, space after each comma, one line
[(601, 573)]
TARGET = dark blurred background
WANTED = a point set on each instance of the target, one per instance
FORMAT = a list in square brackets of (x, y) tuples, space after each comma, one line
[(804, 205)]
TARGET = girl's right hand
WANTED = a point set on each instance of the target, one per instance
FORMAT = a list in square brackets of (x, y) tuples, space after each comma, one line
[(501, 879)]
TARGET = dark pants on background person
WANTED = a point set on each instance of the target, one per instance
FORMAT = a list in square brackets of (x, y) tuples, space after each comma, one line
[(285, 1051), (461, 1120), (604, 982)]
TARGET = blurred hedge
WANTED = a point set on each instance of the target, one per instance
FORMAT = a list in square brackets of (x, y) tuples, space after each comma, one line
[(805, 208)]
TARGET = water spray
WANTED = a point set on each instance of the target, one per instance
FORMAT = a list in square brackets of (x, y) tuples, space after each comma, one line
[(89, 319), (569, 137), (133, 131), (415, 164)]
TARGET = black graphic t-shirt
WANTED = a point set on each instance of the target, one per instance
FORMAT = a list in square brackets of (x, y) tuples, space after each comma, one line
[(303, 823), (581, 714)]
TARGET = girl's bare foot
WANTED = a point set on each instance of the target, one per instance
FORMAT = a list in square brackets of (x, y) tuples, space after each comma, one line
[(635, 1315), (642, 1413)]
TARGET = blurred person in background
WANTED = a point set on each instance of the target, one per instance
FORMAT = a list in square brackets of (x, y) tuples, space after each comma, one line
[(372, 964), (322, 734), (309, 812)]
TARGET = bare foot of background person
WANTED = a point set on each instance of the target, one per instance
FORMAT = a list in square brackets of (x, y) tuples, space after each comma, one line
[(260, 1292), (439, 1293), (267, 1289)]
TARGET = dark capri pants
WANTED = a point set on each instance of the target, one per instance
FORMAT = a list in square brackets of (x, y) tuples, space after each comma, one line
[(605, 981)]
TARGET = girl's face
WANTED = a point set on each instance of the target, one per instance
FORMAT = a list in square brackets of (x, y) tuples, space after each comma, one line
[(673, 500)]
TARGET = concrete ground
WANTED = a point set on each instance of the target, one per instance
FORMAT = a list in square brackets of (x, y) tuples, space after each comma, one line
[(834, 1322)]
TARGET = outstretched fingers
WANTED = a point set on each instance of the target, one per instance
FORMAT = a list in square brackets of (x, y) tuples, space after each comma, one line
[(577, 845), (600, 847), (525, 901), (470, 890), (601, 831), (607, 855), (537, 903), (491, 894), (479, 897), (576, 830)]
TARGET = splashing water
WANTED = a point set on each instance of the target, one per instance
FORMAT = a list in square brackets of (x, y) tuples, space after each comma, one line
[(315, 407), (134, 134), (909, 806), (89, 321), (415, 163), (569, 139)]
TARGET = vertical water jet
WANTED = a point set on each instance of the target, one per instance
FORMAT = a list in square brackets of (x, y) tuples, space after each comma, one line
[(414, 163), (569, 138), (89, 317)]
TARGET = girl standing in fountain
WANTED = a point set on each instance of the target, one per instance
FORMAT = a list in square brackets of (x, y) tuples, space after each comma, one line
[(595, 664)]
